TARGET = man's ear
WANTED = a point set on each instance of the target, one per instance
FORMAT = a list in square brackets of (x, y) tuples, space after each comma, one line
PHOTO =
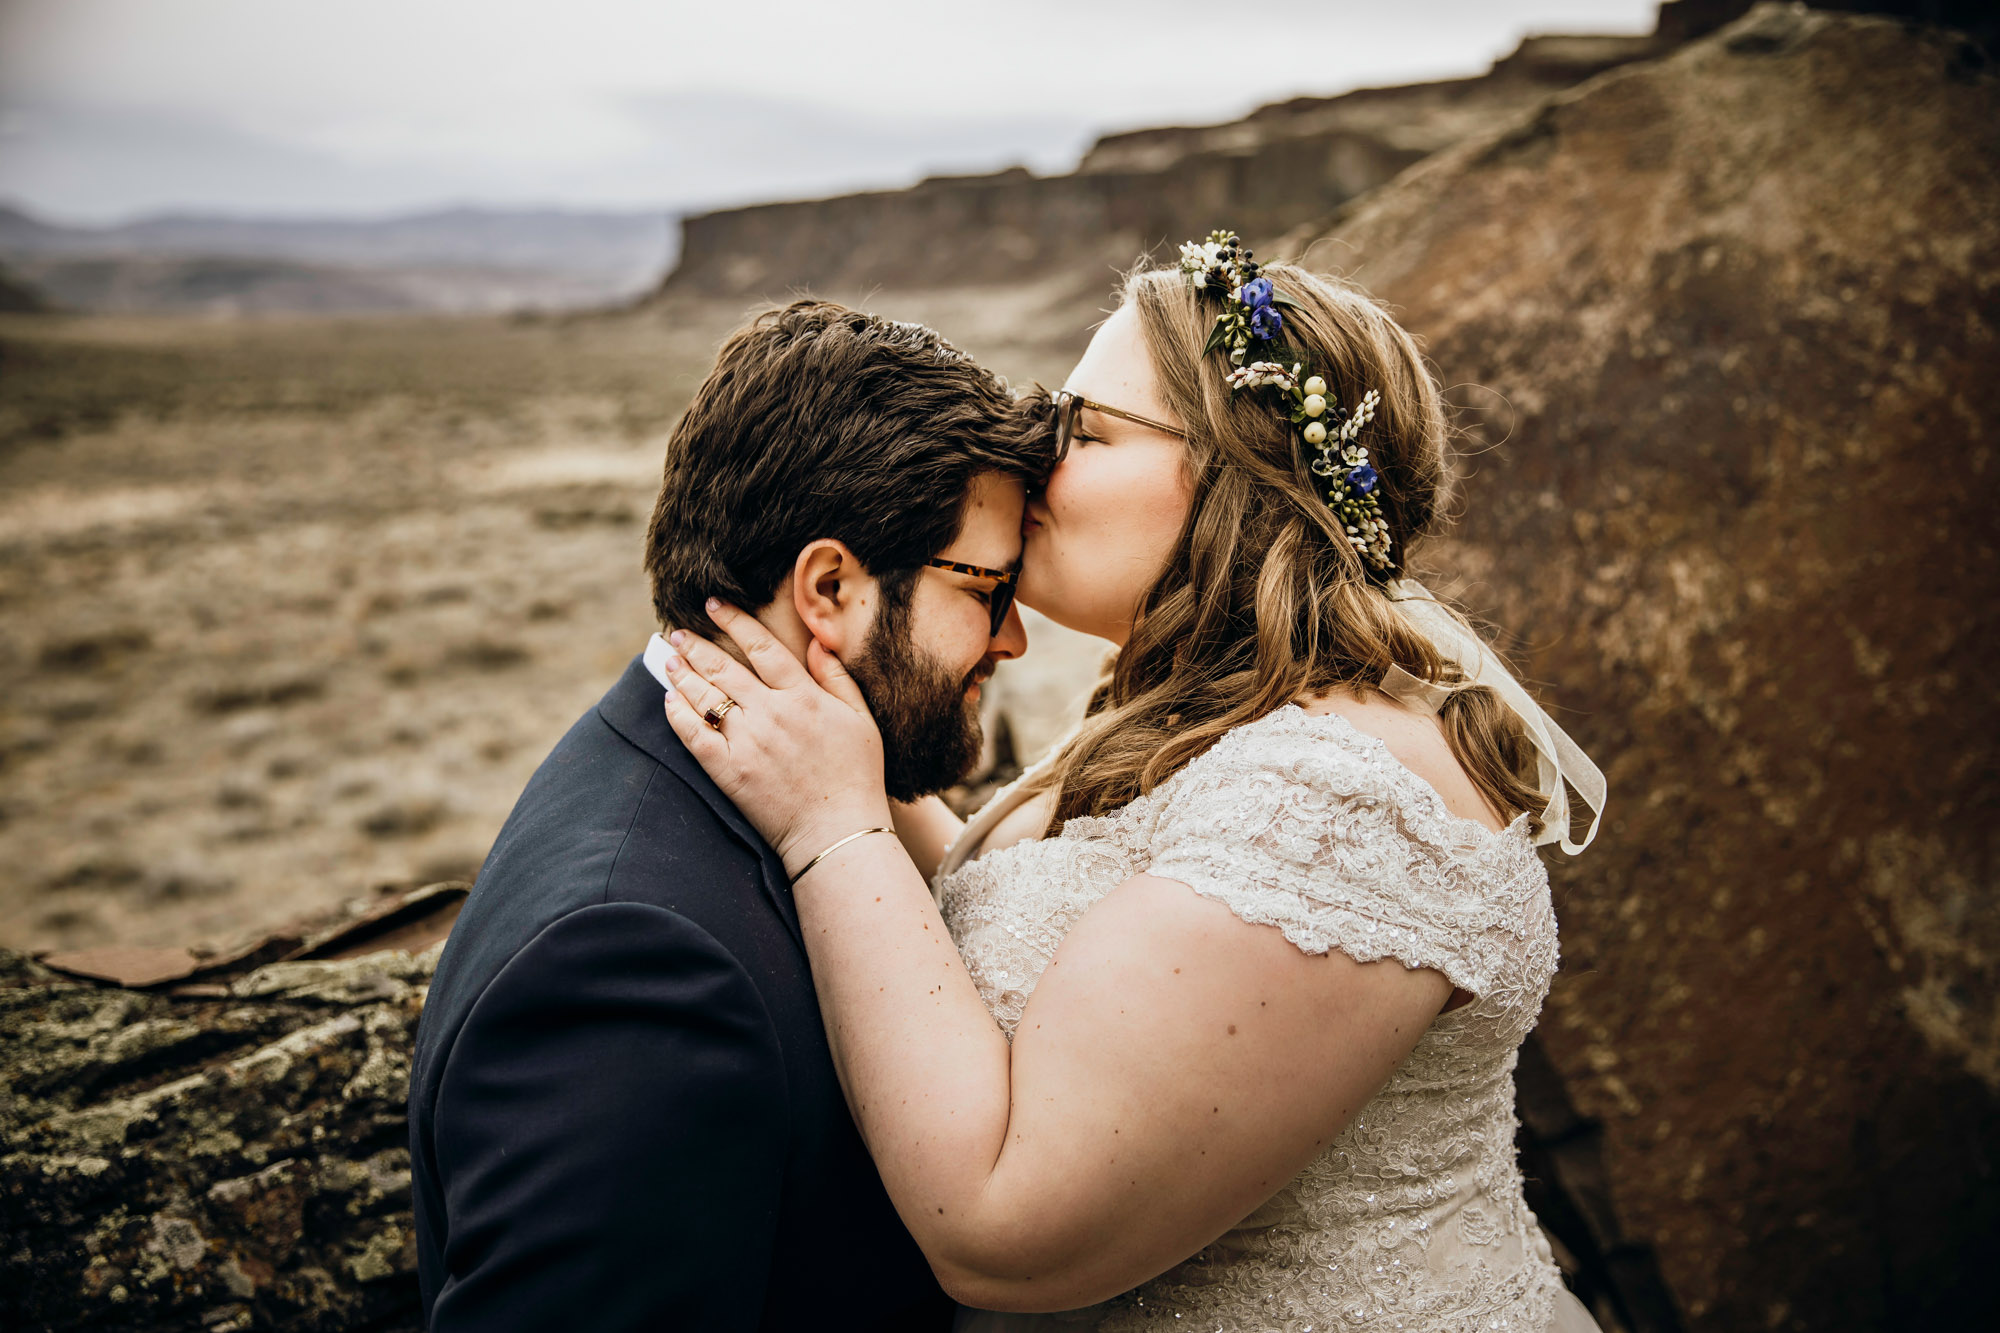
[(834, 595)]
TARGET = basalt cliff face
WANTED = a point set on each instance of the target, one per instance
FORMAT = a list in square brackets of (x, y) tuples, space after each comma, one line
[(1139, 191), (1734, 317), (1278, 167)]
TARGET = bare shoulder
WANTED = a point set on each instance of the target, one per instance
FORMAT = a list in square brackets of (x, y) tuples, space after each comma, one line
[(1414, 740), (1028, 820)]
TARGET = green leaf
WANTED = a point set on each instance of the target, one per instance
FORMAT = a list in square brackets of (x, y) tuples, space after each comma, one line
[(1279, 298), (1218, 335)]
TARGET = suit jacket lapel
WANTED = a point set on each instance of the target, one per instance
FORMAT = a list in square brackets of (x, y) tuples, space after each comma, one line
[(634, 708)]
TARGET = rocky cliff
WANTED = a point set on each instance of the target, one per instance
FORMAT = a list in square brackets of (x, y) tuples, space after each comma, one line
[(1278, 167), (1733, 319)]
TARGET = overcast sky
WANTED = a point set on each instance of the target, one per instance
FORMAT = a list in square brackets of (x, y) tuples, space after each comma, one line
[(111, 108)]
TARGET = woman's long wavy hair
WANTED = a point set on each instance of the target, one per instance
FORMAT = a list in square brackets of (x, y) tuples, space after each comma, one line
[(1264, 601)]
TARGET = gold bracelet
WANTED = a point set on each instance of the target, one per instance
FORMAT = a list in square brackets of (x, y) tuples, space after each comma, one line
[(836, 847)]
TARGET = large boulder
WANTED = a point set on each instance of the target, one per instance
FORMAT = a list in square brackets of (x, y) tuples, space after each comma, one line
[(1731, 324)]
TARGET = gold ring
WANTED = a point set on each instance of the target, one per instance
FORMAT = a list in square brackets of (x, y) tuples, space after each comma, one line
[(717, 712)]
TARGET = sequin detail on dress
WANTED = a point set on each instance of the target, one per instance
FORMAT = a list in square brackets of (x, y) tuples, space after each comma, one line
[(1413, 1217)]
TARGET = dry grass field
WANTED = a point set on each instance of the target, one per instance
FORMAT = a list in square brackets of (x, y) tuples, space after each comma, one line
[(289, 610)]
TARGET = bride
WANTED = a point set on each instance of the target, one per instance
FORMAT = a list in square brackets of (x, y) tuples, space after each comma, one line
[(1226, 1039)]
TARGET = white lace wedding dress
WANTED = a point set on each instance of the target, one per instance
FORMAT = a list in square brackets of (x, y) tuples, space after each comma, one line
[(1413, 1217)]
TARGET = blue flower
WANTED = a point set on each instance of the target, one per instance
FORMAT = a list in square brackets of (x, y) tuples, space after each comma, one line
[(1362, 480), (1266, 322), (1256, 293)]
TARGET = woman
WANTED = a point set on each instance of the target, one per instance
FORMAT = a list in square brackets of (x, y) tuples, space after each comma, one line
[(1183, 1115)]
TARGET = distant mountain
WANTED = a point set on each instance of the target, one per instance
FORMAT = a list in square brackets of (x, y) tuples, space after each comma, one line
[(16, 296), (454, 259), (236, 285), (551, 239)]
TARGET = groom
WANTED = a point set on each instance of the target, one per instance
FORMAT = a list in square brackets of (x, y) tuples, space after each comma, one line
[(623, 1114)]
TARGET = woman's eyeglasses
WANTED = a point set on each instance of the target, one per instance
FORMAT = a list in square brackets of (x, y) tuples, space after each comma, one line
[(1067, 406), (1070, 405), (1002, 599)]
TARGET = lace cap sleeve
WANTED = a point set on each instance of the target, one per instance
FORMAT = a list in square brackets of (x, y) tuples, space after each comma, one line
[(1327, 837)]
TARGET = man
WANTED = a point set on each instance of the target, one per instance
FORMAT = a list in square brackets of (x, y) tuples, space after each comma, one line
[(622, 1110)]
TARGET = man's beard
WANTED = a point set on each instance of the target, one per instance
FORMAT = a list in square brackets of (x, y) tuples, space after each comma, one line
[(930, 728)]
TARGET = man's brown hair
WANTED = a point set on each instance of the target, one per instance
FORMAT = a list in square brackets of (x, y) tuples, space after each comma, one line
[(820, 421)]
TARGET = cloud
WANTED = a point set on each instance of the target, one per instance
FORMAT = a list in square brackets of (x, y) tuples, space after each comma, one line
[(97, 164), (297, 105), (714, 148), (676, 153)]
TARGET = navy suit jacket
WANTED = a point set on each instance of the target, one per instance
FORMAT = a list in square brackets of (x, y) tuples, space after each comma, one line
[(623, 1113)]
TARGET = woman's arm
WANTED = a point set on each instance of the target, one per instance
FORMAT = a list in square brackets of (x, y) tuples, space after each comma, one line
[(1174, 1068), (927, 828)]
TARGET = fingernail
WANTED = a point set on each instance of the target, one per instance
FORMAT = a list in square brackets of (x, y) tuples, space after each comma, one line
[(714, 604), (674, 662), (678, 637)]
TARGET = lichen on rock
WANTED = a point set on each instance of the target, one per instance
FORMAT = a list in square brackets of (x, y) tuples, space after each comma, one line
[(226, 1162)]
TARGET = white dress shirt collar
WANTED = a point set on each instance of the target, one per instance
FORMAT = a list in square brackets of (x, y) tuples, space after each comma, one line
[(656, 660)]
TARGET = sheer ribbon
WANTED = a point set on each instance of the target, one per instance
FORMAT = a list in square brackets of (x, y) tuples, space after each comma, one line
[(1560, 763)]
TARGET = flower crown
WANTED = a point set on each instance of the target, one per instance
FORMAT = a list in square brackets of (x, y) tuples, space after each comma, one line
[(1252, 317)]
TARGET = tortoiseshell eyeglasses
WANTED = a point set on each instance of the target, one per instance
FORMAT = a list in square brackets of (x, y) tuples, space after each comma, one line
[(1002, 598)]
